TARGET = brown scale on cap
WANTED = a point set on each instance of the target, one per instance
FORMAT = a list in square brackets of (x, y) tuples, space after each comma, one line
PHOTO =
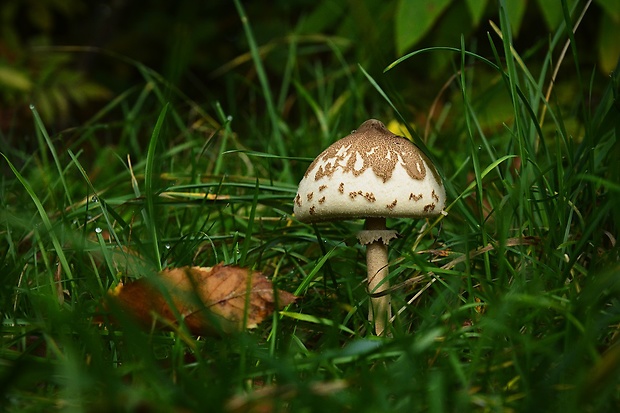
[(326, 170), (416, 198), (309, 196), (341, 188), (429, 207), (392, 205), (371, 146), (322, 187)]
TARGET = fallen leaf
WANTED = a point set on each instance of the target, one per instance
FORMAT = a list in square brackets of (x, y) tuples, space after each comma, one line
[(210, 300)]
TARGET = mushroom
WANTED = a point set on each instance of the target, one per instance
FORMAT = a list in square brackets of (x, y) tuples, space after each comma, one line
[(371, 174)]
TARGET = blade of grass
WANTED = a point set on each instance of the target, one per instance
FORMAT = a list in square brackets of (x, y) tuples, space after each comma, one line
[(248, 232), (226, 121), (303, 286), (53, 279), (570, 31), (441, 49), (416, 138), (46, 222), (269, 155), (484, 173), (262, 77), (50, 145), (480, 196), (513, 84), (149, 185), (318, 112), (316, 320), (289, 67), (560, 58), (104, 211)]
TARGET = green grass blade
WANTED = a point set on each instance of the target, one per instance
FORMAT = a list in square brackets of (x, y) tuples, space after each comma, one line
[(442, 49), (416, 138), (149, 185), (226, 121), (303, 286), (46, 222), (309, 318), (52, 149), (480, 196), (262, 77), (80, 168), (248, 232)]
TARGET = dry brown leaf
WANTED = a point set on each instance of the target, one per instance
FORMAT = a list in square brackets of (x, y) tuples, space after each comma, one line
[(210, 300)]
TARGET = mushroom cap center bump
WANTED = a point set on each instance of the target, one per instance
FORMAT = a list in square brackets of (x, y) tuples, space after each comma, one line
[(370, 173)]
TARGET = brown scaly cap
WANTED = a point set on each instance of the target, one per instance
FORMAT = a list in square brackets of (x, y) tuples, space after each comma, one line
[(370, 173)]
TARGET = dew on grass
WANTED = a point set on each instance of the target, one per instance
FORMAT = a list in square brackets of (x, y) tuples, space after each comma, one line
[(98, 230), (32, 106)]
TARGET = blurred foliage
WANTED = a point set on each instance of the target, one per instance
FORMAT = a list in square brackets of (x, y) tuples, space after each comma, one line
[(428, 14), (200, 48), (49, 81)]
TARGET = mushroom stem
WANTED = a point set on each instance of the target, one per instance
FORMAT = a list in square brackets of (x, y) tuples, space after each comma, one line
[(377, 238)]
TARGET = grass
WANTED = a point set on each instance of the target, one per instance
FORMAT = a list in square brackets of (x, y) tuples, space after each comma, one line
[(507, 303)]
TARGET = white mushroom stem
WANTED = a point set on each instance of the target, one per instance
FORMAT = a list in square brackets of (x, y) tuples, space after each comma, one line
[(376, 237)]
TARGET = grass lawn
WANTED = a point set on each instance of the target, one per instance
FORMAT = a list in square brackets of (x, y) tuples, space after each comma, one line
[(507, 302)]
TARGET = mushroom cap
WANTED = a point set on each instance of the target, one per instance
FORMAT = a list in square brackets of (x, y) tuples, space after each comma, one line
[(371, 173)]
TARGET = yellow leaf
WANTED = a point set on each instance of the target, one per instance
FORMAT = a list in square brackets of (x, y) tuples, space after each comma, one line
[(398, 128)]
